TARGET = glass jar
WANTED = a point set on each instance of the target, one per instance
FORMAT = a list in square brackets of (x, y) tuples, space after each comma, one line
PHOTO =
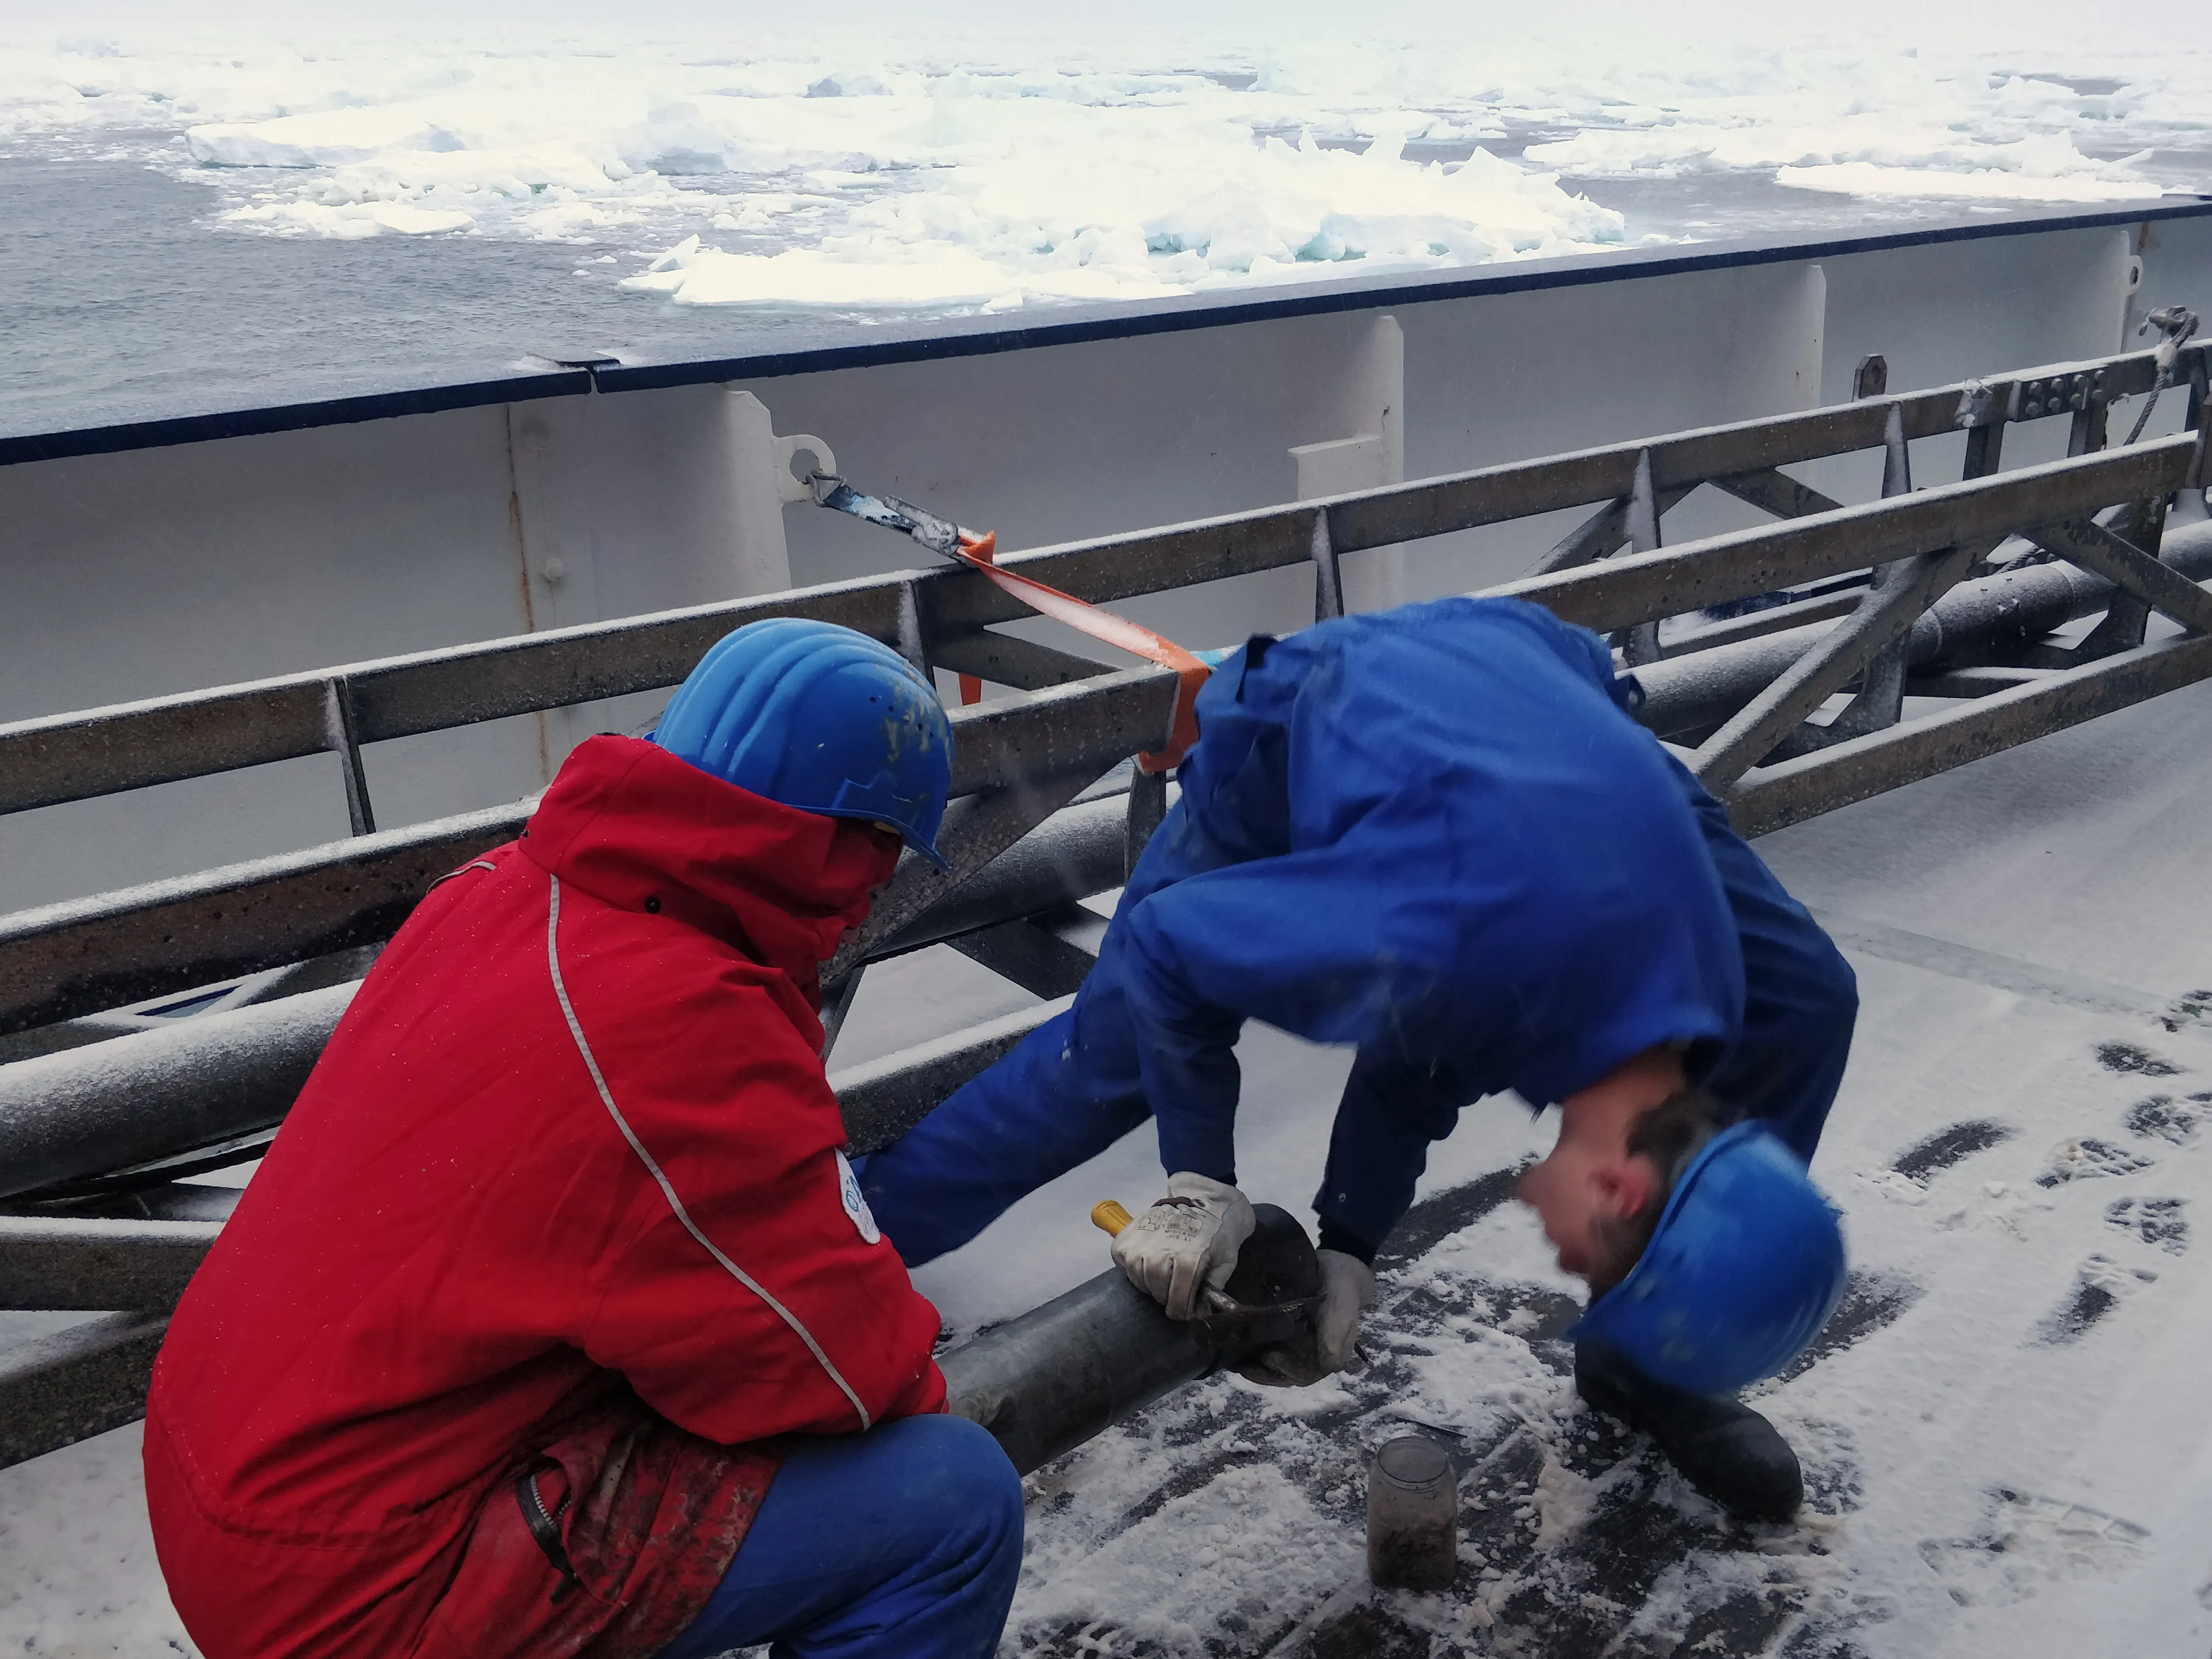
[(1413, 1515)]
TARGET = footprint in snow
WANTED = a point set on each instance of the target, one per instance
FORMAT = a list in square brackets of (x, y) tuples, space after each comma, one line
[(1939, 1151), (2025, 1540), (2088, 1159), (2161, 1117), (2154, 1220), (2100, 1285), (2131, 1057)]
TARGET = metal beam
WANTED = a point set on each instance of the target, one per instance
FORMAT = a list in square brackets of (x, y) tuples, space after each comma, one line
[(1098, 1350), (1775, 797), (1606, 531), (1777, 493), (882, 1100), (113, 949), (1047, 955), (1690, 694), (1008, 660), (100, 751), (119, 948), (154, 1095), (172, 1200), (1693, 576), (1885, 616), (2135, 572), (1640, 646), (48, 1262), (1816, 606), (76, 1384)]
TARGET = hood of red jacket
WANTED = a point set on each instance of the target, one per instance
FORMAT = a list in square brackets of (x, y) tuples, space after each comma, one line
[(631, 825)]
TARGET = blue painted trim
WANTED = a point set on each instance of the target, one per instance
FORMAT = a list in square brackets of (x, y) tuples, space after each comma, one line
[(846, 346)]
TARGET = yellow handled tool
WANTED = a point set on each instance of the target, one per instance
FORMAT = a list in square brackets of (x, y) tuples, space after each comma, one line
[(1245, 1326), (1109, 1218)]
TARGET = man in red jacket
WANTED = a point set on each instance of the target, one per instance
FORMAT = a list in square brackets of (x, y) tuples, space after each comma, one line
[(554, 1322)]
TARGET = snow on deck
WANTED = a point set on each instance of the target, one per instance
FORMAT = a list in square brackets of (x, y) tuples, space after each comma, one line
[(2004, 1431)]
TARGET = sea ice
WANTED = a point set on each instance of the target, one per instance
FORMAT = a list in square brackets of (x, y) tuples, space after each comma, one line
[(1981, 184), (351, 219), (955, 168), (323, 138)]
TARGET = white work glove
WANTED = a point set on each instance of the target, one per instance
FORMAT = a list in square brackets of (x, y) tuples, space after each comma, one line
[(1347, 1287), (1186, 1243)]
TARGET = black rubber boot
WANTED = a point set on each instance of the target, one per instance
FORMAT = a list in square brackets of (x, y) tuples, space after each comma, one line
[(1724, 1449)]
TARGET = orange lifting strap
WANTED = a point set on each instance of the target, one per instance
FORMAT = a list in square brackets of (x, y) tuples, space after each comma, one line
[(943, 536), (1102, 626)]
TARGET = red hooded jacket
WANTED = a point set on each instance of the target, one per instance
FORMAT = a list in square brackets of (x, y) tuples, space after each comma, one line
[(559, 1219)]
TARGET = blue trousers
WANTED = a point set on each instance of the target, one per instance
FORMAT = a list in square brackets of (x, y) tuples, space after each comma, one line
[(1072, 1088), (900, 1543)]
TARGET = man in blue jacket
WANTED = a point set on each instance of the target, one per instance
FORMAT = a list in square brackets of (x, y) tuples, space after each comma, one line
[(1435, 834)]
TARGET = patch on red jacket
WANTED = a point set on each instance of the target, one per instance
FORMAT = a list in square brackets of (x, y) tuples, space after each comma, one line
[(856, 1205)]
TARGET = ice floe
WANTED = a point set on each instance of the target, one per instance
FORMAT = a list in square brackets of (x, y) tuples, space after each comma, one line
[(855, 168)]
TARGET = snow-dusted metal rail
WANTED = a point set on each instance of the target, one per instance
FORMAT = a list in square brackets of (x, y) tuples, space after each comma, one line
[(159, 1095), (113, 949), (1951, 610), (939, 613)]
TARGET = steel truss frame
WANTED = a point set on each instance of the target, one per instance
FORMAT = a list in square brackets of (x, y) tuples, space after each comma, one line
[(1921, 592)]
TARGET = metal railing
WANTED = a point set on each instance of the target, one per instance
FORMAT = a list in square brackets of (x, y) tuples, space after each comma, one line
[(119, 948), (1951, 592)]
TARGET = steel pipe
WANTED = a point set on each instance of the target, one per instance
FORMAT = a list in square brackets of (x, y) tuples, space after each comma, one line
[(1052, 1379), (128, 1100), (1072, 854), (975, 834), (1988, 620), (1049, 1381), (155, 1094)]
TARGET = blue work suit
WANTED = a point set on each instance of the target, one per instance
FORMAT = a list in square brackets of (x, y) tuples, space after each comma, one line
[(1437, 834)]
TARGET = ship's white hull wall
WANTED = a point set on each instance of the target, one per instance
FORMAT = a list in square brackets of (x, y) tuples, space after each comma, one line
[(155, 570)]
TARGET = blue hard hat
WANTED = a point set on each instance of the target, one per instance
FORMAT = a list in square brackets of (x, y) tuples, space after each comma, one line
[(1744, 1269), (818, 717)]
